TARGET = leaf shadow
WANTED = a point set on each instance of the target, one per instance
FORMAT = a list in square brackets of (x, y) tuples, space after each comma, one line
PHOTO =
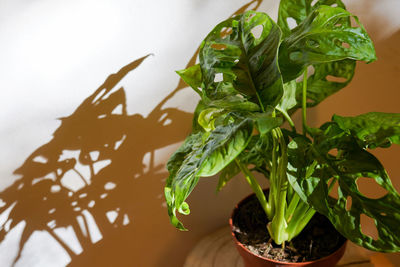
[(92, 171), (91, 178)]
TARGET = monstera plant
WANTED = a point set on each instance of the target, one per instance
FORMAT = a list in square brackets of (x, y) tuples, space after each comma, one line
[(253, 75)]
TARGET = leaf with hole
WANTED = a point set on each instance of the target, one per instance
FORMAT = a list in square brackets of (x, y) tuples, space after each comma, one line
[(249, 79), (311, 169), (319, 84), (247, 64), (374, 129), (298, 11), (323, 37)]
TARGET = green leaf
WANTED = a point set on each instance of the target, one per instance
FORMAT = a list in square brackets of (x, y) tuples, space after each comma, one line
[(265, 122), (223, 145), (208, 116), (298, 160), (298, 10), (227, 174), (197, 158), (196, 127), (234, 103), (258, 152), (288, 99), (339, 73), (247, 64), (313, 168), (324, 36), (319, 87), (374, 129), (193, 141), (192, 76)]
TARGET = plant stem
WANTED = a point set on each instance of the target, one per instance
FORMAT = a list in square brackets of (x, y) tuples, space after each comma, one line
[(273, 178), (292, 206), (279, 187), (259, 101), (254, 185), (301, 221), (304, 102), (287, 117)]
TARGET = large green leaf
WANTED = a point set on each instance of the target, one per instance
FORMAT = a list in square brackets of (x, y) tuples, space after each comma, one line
[(311, 170), (191, 144), (248, 65), (373, 129), (326, 35), (257, 152), (319, 85), (298, 10), (328, 77), (201, 158)]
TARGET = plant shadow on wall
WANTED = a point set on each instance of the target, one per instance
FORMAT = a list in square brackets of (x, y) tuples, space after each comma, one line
[(89, 180), (88, 171)]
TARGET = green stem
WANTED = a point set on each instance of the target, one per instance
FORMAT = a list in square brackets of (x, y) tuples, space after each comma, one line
[(259, 100), (279, 186), (254, 185), (301, 222), (292, 206), (273, 178), (287, 117), (304, 102)]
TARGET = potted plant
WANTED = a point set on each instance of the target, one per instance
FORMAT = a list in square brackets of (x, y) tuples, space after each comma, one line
[(252, 76)]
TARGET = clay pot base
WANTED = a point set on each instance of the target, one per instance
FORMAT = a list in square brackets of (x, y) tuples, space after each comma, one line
[(316, 242), (217, 249)]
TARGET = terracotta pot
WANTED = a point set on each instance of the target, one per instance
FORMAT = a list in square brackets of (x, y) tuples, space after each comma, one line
[(252, 260)]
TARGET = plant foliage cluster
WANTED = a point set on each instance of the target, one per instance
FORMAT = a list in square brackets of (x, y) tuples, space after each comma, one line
[(252, 76)]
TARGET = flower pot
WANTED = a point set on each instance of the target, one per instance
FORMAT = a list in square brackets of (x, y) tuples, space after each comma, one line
[(251, 259)]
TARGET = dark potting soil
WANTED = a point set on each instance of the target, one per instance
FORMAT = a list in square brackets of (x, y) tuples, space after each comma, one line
[(318, 239)]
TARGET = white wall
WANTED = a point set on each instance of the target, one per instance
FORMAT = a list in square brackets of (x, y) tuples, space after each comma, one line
[(54, 55)]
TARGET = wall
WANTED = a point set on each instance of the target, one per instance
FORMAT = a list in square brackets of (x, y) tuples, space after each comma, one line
[(87, 125)]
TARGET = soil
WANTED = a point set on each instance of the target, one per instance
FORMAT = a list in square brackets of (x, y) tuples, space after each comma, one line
[(318, 239)]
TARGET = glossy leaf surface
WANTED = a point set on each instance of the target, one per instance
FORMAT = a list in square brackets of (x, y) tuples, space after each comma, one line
[(298, 10), (372, 129), (328, 77), (202, 155), (192, 76), (244, 63), (312, 169), (326, 35)]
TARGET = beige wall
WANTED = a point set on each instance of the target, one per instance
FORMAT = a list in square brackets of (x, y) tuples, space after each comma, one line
[(101, 204)]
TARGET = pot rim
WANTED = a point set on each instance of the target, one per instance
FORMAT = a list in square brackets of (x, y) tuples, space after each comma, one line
[(339, 250)]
